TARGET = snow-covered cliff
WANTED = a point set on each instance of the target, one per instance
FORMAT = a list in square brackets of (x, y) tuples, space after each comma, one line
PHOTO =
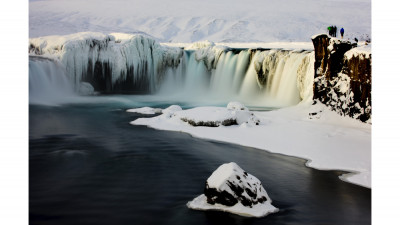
[(343, 76)]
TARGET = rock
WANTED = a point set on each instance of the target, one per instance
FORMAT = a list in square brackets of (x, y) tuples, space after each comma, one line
[(231, 189), (343, 77)]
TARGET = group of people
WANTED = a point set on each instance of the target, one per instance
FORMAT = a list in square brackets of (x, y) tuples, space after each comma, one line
[(332, 30)]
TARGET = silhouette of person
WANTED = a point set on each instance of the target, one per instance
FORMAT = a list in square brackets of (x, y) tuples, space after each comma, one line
[(342, 32)]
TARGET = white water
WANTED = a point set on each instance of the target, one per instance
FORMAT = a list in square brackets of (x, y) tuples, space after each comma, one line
[(48, 82), (235, 78), (210, 74)]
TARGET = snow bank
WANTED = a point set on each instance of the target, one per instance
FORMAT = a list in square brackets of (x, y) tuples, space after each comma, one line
[(360, 51), (234, 114), (314, 132), (231, 189), (145, 110)]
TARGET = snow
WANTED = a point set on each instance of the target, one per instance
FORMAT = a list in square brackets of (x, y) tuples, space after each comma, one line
[(223, 180), (171, 109), (253, 45), (259, 210), (191, 20), (327, 140), (235, 113), (145, 110), (363, 49)]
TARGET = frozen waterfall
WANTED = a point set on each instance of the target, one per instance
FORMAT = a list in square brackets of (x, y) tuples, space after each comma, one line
[(123, 63), (273, 78)]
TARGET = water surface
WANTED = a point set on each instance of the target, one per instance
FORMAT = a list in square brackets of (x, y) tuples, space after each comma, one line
[(88, 165)]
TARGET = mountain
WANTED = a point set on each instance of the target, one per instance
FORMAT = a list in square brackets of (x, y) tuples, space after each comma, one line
[(193, 20)]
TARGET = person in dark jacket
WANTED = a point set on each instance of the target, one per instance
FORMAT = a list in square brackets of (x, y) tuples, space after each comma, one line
[(342, 32), (334, 31)]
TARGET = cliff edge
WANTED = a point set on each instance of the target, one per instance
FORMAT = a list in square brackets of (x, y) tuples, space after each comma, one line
[(342, 76)]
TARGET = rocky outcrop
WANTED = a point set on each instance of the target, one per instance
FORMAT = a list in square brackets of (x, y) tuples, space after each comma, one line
[(342, 76), (230, 188)]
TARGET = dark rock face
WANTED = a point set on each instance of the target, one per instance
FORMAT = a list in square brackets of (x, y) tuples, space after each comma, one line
[(227, 122), (341, 82)]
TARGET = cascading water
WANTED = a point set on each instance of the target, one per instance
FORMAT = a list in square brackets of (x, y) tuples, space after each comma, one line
[(255, 77), (120, 63), (48, 82)]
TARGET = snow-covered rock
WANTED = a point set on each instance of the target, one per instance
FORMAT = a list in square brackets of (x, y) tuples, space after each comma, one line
[(209, 54), (208, 116), (231, 189), (236, 106), (171, 110), (234, 114), (145, 110)]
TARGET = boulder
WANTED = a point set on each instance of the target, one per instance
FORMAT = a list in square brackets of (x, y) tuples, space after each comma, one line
[(231, 189)]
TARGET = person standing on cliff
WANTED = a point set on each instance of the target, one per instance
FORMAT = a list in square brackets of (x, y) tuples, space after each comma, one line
[(334, 31), (342, 32), (329, 30)]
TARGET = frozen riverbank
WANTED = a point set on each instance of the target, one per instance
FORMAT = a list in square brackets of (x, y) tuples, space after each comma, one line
[(313, 132)]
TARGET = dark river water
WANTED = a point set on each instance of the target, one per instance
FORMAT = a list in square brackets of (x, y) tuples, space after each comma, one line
[(88, 165)]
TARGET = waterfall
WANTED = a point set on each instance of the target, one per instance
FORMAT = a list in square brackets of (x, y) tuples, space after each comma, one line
[(121, 63), (48, 82), (273, 78)]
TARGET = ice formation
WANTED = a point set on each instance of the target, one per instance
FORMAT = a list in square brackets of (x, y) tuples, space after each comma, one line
[(125, 63), (117, 57), (231, 189)]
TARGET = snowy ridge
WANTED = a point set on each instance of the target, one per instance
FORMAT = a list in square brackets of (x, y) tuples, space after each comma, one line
[(122, 52), (192, 20)]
